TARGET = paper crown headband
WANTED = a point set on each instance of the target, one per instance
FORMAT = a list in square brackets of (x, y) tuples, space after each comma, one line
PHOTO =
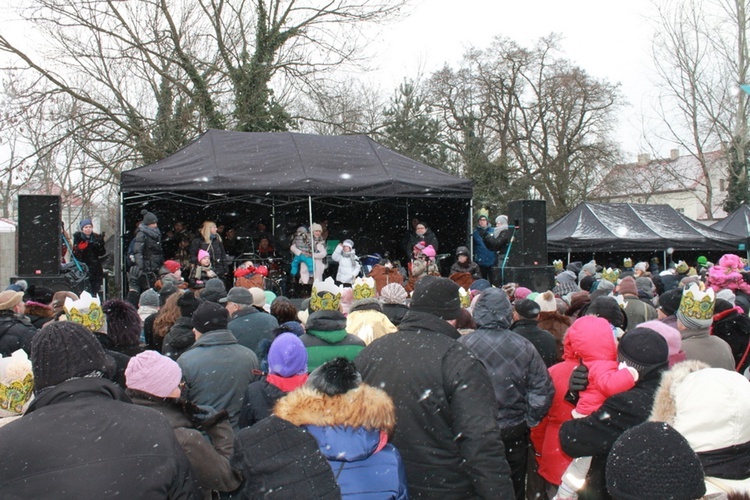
[(465, 297), (483, 212), (611, 275), (86, 311), (627, 262), (698, 303), (363, 288), (325, 296), (558, 265)]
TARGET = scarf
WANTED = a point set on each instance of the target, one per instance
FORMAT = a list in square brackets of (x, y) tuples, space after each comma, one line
[(732, 462), (287, 384)]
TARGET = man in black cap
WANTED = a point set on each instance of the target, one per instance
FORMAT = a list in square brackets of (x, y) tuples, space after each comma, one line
[(247, 319), (445, 405), (216, 368), (594, 435), (525, 312), (81, 437)]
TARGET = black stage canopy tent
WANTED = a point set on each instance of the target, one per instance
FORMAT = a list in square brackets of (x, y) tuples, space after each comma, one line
[(621, 227), (736, 223), (364, 190)]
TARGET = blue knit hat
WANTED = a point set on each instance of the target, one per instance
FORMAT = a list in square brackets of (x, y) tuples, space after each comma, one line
[(287, 356), (85, 222)]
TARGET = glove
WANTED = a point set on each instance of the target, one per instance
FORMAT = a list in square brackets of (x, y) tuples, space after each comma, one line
[(579, 379), (134, 275), (82, 245), (624, 366)]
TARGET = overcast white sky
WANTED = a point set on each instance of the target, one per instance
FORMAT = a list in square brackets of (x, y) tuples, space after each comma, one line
[(608, 39)]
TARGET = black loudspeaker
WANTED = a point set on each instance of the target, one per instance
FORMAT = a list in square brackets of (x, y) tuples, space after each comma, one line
[(38, 235), (529, 247), (56, 283), (537, 279)]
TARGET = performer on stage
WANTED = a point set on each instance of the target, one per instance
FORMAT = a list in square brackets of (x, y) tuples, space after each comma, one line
[(88, 247)]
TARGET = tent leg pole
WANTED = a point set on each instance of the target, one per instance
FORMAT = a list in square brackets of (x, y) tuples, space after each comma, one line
[(471, 232), (568, 258), (312, 237)]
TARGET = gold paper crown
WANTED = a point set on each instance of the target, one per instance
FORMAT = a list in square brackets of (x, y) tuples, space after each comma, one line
[(363, 288), (325, 296), (558, 265), (697, 302), (16, 383), (627, 262), (86, 311), (483, 212), (465, 297), (611, 275), (682, 267)]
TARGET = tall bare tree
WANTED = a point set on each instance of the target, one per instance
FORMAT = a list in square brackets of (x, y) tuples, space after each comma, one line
[(527, 123), (147, 76), (701, 55)]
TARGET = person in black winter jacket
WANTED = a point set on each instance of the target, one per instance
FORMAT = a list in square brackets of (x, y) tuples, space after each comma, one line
[(88, 247), (523, 388), (181, 337), (464, 264), (148, 257), (82, 437), (445, 406), (280, 461), (525, 312), (594, 435), (421, 234), (16, 331)]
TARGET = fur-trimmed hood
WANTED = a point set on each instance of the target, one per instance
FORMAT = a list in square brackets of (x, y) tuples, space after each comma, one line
[(709, 406), (365, 406)]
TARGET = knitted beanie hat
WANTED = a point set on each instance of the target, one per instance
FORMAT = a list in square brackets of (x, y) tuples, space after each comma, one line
[(566, 277), (84, 223), (669, 301), (643, 349), (40, 294), (605, 285), (316, 227), (123, 323), (522, 293), (167, 289), (429, 251), (335, 377), (188, 303), (202, 254), (287, 356), (393, 293), (670, 334), (9, 299), (149, 298), (526, 308), (627, 286), (148, 218), (152, 373), (210, 316), (608, 308), (587, 282), (652, 460), (216, 285), (437, 296), (645, 285), (348, 243), (480, 285), (546, 301), (172, 266), (62, 350)]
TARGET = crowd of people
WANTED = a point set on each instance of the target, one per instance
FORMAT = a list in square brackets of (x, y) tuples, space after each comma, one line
[(619, 382)]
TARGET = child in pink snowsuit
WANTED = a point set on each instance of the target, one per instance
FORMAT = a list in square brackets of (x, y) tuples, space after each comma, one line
[(593, 342)]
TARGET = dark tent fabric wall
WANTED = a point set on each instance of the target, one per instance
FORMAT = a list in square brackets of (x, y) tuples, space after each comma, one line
[(364, 190), (617, 227), (736, 223)]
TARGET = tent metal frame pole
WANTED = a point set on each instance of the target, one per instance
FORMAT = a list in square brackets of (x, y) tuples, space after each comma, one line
[(312, 237), (119, 244), (470, 231)]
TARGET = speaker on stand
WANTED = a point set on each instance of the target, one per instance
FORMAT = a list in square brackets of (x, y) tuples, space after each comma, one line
[(527, 258), (38, 235)]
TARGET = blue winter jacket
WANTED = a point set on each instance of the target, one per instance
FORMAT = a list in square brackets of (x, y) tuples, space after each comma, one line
[(483, 255), (348, 428)]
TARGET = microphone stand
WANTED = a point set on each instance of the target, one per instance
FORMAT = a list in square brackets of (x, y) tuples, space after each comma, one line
[(507, 252)]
